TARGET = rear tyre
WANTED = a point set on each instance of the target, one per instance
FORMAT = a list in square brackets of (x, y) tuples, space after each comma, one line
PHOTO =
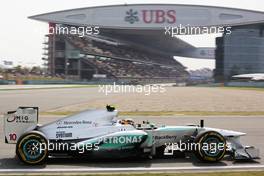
[(31, 148), (211, 146)]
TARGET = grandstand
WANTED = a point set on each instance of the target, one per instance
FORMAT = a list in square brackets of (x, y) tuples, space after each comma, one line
[(87, 57), (138, 41)]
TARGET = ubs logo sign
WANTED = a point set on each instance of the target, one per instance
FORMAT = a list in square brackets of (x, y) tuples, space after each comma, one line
[(151, 16), (131, 16)]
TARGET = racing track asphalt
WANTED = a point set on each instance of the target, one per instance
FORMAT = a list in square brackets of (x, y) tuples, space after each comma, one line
[(252, 125)]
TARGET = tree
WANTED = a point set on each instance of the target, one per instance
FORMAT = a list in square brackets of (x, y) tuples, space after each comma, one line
[(18, 69), (36, 70)]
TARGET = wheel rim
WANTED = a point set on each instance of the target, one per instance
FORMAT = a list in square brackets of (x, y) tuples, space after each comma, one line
[(31, 149), (213, 149)]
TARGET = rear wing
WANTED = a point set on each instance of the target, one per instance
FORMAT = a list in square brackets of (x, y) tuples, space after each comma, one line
[(18, 122)]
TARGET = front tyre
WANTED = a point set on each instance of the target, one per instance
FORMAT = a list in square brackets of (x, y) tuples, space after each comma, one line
[(211, 146), (31, 148)]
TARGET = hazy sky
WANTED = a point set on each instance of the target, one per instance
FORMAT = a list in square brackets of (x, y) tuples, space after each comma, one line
[(21, 39)]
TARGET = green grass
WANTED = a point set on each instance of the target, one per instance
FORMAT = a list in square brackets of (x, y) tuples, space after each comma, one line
[(170, 113), (198, 174), (249, 173), (230, 87), (244, 88), (192, 113), (38, 88), (58, 113)]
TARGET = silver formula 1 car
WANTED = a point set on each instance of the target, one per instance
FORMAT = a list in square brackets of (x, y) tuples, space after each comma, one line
[(98, 133)]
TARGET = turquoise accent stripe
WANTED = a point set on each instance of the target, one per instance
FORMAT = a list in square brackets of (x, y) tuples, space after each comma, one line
[(176, 128)]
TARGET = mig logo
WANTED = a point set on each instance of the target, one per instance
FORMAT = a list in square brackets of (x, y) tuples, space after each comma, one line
[(19, 119)]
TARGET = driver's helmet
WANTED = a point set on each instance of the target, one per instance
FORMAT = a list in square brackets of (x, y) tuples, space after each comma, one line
[(127, 122)]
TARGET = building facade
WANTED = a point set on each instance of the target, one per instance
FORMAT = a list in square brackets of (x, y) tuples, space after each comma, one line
[(241, 52)]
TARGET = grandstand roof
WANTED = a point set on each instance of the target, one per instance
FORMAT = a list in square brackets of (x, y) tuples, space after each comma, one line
[(143, 24)]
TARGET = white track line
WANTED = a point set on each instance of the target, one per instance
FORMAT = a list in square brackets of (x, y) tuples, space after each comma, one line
[(137, 169)]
